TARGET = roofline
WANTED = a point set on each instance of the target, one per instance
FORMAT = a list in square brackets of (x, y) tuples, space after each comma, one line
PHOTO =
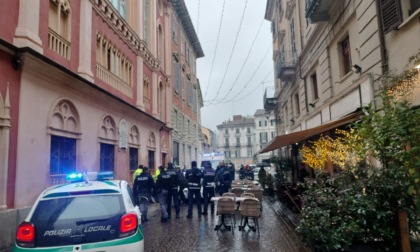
[(52, 63), (182, 11)]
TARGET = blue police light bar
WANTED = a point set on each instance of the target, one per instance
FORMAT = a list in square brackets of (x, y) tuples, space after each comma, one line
[(75, 177), (105, 175)]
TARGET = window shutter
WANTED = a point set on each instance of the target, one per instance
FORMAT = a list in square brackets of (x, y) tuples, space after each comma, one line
[(391, 14)]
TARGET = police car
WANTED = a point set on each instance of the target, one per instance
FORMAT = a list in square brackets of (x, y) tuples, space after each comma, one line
[(83, 215)]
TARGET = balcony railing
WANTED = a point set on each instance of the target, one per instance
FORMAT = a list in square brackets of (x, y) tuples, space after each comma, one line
[(58, 44), (318, 10), (287, 66), (114, 81)]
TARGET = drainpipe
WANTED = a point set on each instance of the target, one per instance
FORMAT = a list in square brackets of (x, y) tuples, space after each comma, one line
[(384, 58), (300, 63)]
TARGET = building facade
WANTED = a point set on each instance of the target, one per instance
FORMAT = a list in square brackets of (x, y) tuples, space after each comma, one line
[(186, 93), (236, 139), (89, 86), (209, 140), (265, 131)]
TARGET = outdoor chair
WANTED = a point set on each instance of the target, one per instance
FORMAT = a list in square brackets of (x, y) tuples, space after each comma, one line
[(225, 211), (258, 193), (250, 209), (247, 195), (237, 191)]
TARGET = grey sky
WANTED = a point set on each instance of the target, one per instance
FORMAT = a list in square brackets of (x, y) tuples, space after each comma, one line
[(236, 82)]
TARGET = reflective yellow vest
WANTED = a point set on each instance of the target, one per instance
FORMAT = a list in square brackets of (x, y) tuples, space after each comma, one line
[(156, 175), (136, 173)]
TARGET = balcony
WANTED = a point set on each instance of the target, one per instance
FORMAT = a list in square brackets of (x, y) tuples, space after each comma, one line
[(317, 10), (227, 145), (270, 102), (287, 66)]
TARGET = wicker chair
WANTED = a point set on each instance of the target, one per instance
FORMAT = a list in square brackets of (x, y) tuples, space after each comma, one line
[(247, 195), (237, 191), (226, 210), (250, 209), (229, 194), (258, 193)]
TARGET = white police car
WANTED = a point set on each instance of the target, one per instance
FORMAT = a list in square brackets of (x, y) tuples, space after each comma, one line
[(83, 215)]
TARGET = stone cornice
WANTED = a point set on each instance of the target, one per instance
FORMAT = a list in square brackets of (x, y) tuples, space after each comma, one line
[(120, 26)]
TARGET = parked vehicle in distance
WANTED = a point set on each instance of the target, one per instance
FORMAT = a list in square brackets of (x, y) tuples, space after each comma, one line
[(214, 158), (83, 215)]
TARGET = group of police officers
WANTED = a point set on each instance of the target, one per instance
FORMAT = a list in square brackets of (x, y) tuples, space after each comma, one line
[(170, 182)]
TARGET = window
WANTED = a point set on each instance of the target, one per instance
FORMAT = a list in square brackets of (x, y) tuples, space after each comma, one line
[(112, 65), (175, 119), (227, 154), (161, 101), (188, 127), (292, 34), (345, 55), (151, 159), (190, 93), (160, 45), (237, 131), (106, 157), (134, 158), (248, 140), (146, 20), (314, 84), (175, 150), (62, 155), (248, 130), (226, 131), (273, 134), (226, 141), (194, 99), (265, 123), (146, 91), (238, 141), (263, 137), (237, 153), (260, 123), (59, 27), (177, 80), (174, 30), (297, 104), (272, 122), (120, 5), (249, 152), (187, 57)]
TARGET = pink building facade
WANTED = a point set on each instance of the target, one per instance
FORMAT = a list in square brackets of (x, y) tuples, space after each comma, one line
[(84, 86)]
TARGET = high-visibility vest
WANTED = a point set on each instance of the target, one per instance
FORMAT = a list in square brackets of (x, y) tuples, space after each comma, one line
[(136, 173), (157, 172)]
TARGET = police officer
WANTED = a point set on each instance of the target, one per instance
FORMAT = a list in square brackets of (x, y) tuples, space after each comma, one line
[(193, 177), (209, 176), (137, 172), (163, 185), (142, 189), (223, 178), (173, 191)]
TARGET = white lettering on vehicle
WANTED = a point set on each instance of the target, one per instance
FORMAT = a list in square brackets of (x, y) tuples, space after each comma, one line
[(57, 232), (97, 228)]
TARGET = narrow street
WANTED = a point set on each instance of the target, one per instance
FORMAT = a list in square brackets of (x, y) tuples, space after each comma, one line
[(197, 234)]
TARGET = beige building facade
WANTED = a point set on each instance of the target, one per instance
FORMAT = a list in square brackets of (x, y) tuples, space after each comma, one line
[(328, 56)]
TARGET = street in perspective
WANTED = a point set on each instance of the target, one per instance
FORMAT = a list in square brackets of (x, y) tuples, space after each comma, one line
[(210, 125)]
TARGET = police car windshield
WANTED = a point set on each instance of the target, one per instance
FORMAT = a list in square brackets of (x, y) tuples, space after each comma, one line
[(74, 220)]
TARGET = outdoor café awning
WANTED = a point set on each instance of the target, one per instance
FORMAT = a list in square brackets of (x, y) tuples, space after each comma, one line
[(296, 137)]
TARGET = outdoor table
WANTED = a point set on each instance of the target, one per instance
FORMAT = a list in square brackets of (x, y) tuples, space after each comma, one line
[(222, 222)]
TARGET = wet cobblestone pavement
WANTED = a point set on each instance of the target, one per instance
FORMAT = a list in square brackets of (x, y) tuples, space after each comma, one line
[(197, 234)]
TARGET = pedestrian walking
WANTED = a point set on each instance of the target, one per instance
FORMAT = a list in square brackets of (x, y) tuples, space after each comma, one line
[(183, 200), (173, 195), (193, 177), (162, 187), (209, 177), (142, 189)]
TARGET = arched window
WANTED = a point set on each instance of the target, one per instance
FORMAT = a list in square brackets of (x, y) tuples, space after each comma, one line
[(59, 27), (121, 6), (134, 146), (161, 101), (146, 91), (64, 128), (107, 139), (160, 44)]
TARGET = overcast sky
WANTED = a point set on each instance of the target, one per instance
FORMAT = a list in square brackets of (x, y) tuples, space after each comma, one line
[(238, 65)]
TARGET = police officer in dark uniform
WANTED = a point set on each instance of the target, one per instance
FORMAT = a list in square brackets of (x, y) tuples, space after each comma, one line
[(173, 191), (142, 189), (163, 185), (223, 179), (193, 177), (209, 176)]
